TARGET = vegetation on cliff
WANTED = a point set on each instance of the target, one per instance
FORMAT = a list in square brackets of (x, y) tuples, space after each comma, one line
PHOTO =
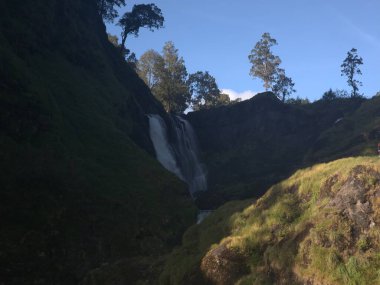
[(320, 226), (167, 77), (249, 146)]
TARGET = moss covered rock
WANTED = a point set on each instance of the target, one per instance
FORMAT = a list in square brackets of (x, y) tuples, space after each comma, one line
[(320, 226)]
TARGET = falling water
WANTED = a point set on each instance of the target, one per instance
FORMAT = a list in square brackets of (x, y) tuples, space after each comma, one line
[(180, 157), (164, 151), (187, 154)]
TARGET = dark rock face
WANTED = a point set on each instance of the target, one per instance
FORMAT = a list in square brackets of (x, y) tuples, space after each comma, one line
[(78, 188), (251, 145)]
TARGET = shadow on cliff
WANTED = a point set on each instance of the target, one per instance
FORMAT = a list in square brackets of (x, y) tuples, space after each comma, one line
[(249, 146)]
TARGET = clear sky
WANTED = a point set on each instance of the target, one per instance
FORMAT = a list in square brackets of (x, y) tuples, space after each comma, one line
[(313, 39)]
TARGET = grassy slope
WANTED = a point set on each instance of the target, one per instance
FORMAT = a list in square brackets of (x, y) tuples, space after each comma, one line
[(76, 189), (319, 226)]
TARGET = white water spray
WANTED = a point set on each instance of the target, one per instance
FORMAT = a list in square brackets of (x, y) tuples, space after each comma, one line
[(164, 152), (187, 154), (180, 157)]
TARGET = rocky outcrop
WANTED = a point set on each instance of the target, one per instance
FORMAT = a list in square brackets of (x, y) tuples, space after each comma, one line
[(223, 265), (353, 200)]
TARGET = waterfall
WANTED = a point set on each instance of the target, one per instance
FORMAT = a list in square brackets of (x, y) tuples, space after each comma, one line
[(164, 151), (181, 156), (187, 153)]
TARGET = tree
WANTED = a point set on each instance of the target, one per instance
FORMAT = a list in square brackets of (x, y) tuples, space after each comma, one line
[(283, 86), (147, 67), (350, 67), (264, 63), (106, 9), (171, 87), (298, 101), (113, 40), (129, 57), (204, 90), (142, 16), (329, 95), (132, 60), (341, 93), (223, 100), (237, 100)]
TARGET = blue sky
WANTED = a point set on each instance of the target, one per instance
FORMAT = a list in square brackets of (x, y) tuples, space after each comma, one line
[(313, 38)]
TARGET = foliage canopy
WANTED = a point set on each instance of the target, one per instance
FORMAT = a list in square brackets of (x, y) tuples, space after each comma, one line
[(264, 62), (106, 9), (170, 80), (204, 90), (283, 85), (142, 16)]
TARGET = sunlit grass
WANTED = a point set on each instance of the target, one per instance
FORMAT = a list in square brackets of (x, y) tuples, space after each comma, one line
[(292, 232)]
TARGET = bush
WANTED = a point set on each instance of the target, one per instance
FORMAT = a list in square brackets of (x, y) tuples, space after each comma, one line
[(333, 95), (298, 101)]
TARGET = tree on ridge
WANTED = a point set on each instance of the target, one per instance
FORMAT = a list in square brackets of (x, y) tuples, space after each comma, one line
[(171, 87), (349, 68), (283, 86), (106, 9), (264, 63), (169, 82), (142, 16), (204, 90), (147, 67)]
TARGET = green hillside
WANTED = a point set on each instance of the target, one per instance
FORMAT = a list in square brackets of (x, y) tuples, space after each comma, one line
[(79, 185), (355, 134), (249, 146), (320, 226)]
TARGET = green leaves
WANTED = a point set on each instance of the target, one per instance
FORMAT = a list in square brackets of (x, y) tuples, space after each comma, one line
[(166, 76), (266, 66), (204, 90), (264, 63), (106, 9), (283, 86), (142, 16)]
